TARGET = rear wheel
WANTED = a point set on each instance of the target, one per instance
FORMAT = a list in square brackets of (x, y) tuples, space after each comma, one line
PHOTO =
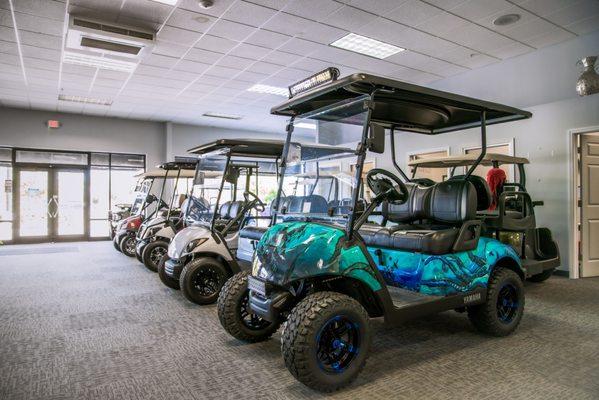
[(236, 316), (500, 315), (325, 341), (167, 280), (202, 279), (152, 254), (127, 245), (542, 277)]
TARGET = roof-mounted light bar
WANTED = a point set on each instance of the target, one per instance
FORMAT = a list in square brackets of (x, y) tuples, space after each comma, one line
[(328, 75)]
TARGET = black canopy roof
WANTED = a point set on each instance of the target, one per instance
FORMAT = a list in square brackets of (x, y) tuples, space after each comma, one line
[(266, 148), (403, 105), (174, 165)]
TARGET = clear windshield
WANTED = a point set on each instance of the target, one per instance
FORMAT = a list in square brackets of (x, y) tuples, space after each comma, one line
[(206, 186), (321, 184), (141, 191)]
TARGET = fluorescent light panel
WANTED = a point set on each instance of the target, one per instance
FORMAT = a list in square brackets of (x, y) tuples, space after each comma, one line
[(98, 62), (221, 115), (83, 99), (304, 125), (365, 45), (279, 91)]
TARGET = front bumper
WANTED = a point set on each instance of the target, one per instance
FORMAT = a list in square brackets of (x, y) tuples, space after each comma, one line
[(140, 245), (268, 302), (173, 267)]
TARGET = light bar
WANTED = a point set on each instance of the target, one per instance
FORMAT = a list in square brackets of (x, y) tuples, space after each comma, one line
[(83, 99), (304, 125), (365, 45), (259, 88), (220, 115), (98, 62), (328, 75)]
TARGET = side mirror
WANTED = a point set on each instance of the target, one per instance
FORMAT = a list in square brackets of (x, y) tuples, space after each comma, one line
[(376, 139), (150, 199), (232, 175)]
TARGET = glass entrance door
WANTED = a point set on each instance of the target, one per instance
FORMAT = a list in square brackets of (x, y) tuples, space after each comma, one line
[(51, 204)]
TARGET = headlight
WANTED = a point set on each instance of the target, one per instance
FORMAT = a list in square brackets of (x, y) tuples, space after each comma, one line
[(256, 264), (193, 244)]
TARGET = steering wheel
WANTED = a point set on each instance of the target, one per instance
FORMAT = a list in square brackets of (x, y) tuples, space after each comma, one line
[(386, 186), (257, 203)]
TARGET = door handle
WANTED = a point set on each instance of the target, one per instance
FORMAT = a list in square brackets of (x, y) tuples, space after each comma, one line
[(53, 199)]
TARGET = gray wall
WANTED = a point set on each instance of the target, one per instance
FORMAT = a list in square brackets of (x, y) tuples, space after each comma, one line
[(26, 128)]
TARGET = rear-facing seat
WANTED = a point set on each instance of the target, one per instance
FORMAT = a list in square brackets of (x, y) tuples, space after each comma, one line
[(450, 210)]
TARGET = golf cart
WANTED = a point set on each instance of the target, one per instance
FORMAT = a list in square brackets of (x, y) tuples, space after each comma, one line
[(512, 221), (324, 280), (155, 233), (144, 206)]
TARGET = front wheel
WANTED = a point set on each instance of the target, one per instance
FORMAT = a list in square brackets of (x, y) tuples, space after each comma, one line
[(500, 315), (153, 253), (542, 277), (127, 245), (116, 245), (202, 279), (325, 341), (235, 315), (167, 280)]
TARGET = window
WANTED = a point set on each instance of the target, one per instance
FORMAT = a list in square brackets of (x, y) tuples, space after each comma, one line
[(436, 174), (505, 148), (5, 201)]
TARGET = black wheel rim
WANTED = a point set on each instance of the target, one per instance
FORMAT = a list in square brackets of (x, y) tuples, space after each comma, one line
[(207, 282), (156, 254), (248, 318), (130, 246), (338, 344), (507, 303)]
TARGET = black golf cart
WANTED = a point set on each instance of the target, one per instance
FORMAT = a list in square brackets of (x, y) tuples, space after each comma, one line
[(155, 233), (325, 279), (513, 220)]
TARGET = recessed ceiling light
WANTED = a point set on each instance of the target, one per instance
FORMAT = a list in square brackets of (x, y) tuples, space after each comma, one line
[(506, 19), (98, 62), (305, 125), (169, 2), (365, 45), (220, 115), (279, 91), (83, 99)]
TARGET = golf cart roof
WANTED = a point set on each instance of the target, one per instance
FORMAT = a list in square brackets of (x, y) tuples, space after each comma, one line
[(402, 105), (464, 160), (267, 148), (159, 173)]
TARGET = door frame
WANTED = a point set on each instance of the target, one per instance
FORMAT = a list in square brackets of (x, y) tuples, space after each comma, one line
[(52, 171), (573, 136)]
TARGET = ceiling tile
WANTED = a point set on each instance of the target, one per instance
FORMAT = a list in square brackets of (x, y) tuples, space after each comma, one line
[(169, 49), (216, 10), (250, 51), (379, 7), (574, 12), (384, 30), (203, 56), (511, 50), (557, 35), (268, 39), (300, 46), (280, 58), (235, 62), (216, 44), (193, 21), (477, 9), (264, 68), (176, 35), (191, 66), (585, 26), (158, 60), (442, 23), (249, 14), (40, 40), (348, 18), (312, 9), (532, 28), (544, 7), (231, 30), (48, 9), (38, 24), (413, 12)]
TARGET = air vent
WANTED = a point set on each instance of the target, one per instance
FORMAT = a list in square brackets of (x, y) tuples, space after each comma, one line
[(116, 44)]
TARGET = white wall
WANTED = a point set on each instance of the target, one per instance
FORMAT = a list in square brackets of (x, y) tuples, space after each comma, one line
[(26, 128)]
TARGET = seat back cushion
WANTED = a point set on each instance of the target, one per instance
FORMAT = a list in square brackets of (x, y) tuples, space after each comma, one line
[(452, 201), (483, 192), (224, 209), (315, 204), (415, 208)]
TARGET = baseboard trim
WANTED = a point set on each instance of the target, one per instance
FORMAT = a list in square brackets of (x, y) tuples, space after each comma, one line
[(560, 272)]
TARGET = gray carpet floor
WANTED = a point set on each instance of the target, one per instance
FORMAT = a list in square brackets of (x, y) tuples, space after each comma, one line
[(81, 321)]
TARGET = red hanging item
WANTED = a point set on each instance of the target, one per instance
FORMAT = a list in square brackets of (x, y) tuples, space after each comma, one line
[(496, 178)]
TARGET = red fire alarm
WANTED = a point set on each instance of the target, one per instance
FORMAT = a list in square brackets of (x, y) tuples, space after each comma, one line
[(53, 124)]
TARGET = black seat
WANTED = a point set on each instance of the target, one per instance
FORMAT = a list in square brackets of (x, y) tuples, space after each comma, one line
[(484, 197), (451, 209), (252, 232)]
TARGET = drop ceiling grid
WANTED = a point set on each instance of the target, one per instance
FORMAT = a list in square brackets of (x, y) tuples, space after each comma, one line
[(199, 67)]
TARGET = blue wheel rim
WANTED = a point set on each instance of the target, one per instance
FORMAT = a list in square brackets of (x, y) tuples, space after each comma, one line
[(507, 303), (338, 344)]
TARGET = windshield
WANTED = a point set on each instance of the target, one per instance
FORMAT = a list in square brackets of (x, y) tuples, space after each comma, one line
[(141, 191), (320, 183)]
